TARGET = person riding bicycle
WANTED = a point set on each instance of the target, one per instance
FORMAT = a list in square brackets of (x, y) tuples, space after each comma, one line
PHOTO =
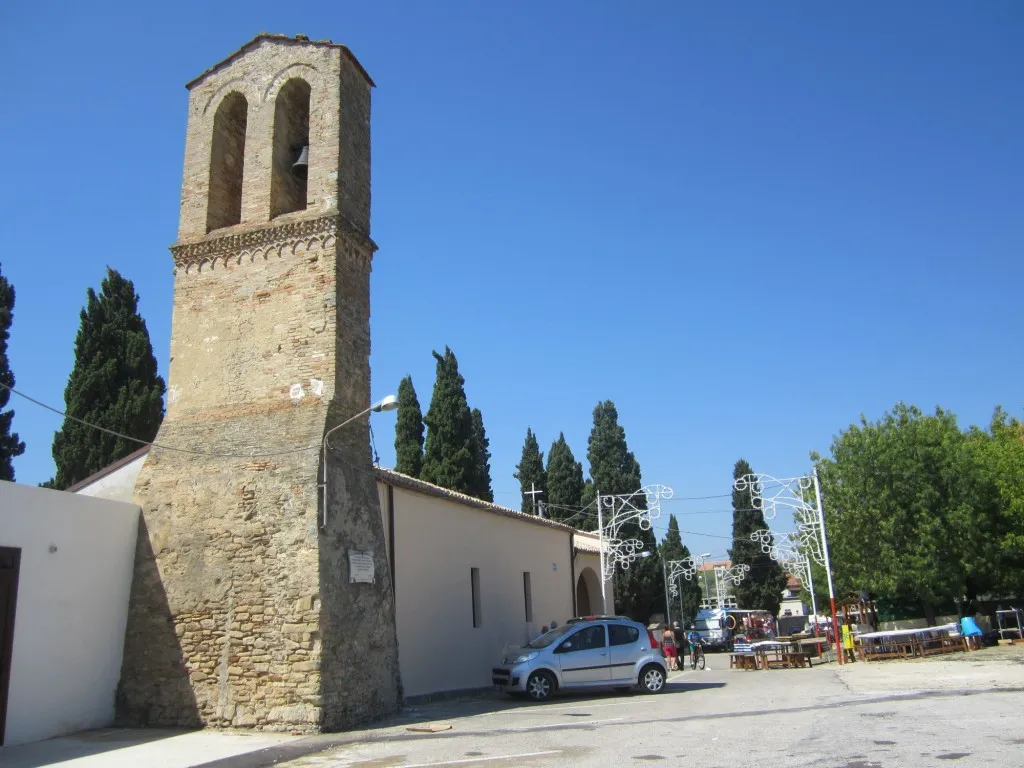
[(693, 638)]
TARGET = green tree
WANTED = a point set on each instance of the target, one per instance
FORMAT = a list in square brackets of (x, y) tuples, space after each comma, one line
[(114, 384), (588, 499), (449, 452), (10, 445), (409, 430), (914, 510), (614, 470), (672, 548), (1000, 461), (564, 481), (762, 587), (530, 473), (481, 459)]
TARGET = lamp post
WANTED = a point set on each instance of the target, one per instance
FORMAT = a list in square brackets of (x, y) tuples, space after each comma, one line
[(704, 576), (687, 568), (614, 511), (388, 403), (725, 577)]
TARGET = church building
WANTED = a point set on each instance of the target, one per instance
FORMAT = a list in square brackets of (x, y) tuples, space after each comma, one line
[(273, 584)]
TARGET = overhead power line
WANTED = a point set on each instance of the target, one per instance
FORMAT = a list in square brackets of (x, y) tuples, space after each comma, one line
[(152, 444)]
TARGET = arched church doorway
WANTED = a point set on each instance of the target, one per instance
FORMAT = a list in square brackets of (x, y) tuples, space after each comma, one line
[(588, 594)]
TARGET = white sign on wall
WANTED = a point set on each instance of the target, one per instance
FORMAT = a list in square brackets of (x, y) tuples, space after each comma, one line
[(360, 566)]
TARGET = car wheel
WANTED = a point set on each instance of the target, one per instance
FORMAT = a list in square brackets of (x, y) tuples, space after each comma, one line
[(540, 686), (652, 679)]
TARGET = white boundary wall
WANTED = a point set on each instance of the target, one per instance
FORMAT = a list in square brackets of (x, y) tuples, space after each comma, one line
[(73, 589)]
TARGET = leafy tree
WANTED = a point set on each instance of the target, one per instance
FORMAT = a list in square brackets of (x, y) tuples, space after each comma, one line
[(114, 384), (409, 430), (614, 470), (917, 510), (530, 473), (588, 521), (481, 459), (564, 481), (762, 587), (999, 458), (449, 454), (672, 548), (10, 445)]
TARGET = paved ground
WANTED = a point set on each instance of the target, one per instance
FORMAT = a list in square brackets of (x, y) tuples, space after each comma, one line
[(938, 711), (963, 710)]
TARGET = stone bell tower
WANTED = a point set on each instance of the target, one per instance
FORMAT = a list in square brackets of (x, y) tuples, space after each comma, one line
[(243, 608)]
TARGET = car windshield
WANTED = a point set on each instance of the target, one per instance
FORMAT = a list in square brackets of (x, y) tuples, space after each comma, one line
[(543, 641)]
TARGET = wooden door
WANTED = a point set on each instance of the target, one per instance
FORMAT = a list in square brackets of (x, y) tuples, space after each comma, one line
[(10, 561)]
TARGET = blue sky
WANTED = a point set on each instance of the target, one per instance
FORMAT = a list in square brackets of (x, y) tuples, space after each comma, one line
[(745, 223)]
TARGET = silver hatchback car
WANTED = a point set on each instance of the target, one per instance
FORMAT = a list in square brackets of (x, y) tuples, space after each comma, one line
[(589, 652)]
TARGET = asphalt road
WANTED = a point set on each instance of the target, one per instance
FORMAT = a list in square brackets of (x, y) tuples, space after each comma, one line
[(965, 711)]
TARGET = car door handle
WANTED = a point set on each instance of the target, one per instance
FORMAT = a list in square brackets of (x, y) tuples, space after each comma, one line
[(603, 653)]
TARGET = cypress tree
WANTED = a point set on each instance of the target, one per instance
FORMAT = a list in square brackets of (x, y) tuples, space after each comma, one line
[(409, 429), (762, 587), (10, 445), (588, 522), (448, 458), (639, 590), (481, 459), (564, 481), (114, 384), (530, 473), (672, 548)]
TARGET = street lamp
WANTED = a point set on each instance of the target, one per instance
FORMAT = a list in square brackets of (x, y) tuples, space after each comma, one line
[(687, 568), (704, 576), (388, 403)]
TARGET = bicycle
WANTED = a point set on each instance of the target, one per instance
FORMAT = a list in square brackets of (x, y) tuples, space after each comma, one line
[(697, 656)]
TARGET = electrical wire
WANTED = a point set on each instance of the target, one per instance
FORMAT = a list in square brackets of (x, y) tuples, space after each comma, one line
[(152, 444)]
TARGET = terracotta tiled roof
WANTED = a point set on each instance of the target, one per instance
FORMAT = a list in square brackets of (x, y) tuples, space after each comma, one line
[(297, 40), (588, 542), (411, 483), (710, 565)]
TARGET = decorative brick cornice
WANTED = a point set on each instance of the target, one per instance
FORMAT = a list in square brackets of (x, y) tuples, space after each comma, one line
[(284, 239)]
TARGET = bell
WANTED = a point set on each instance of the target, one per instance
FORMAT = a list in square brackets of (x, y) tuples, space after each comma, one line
[(301, 166)]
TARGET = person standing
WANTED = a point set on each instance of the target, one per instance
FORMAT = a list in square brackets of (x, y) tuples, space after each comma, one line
[(668, 642)]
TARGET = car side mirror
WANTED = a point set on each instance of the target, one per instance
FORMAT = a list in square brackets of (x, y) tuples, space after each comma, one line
[(566, 646)]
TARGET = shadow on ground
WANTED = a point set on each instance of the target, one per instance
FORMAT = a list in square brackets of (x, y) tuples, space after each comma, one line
[(79, 745)]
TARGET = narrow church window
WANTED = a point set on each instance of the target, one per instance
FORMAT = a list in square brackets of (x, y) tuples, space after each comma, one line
[(528, 595), (474, 578), (291, 148), (227, 159)]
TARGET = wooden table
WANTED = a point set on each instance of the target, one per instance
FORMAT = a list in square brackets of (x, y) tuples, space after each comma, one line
[(909, 643)]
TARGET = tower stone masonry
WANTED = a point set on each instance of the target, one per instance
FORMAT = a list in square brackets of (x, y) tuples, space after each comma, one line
[(242, 612)]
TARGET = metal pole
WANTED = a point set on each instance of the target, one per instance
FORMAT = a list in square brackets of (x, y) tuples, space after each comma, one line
[(668, 605), (707, 594), (814, 602), (600, 533), (681, 617), (828, 567), (323, 465)]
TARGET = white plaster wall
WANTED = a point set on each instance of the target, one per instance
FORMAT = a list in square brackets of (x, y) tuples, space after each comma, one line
[(71, 610), (792, 604), (119, 485), (437, 542)]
